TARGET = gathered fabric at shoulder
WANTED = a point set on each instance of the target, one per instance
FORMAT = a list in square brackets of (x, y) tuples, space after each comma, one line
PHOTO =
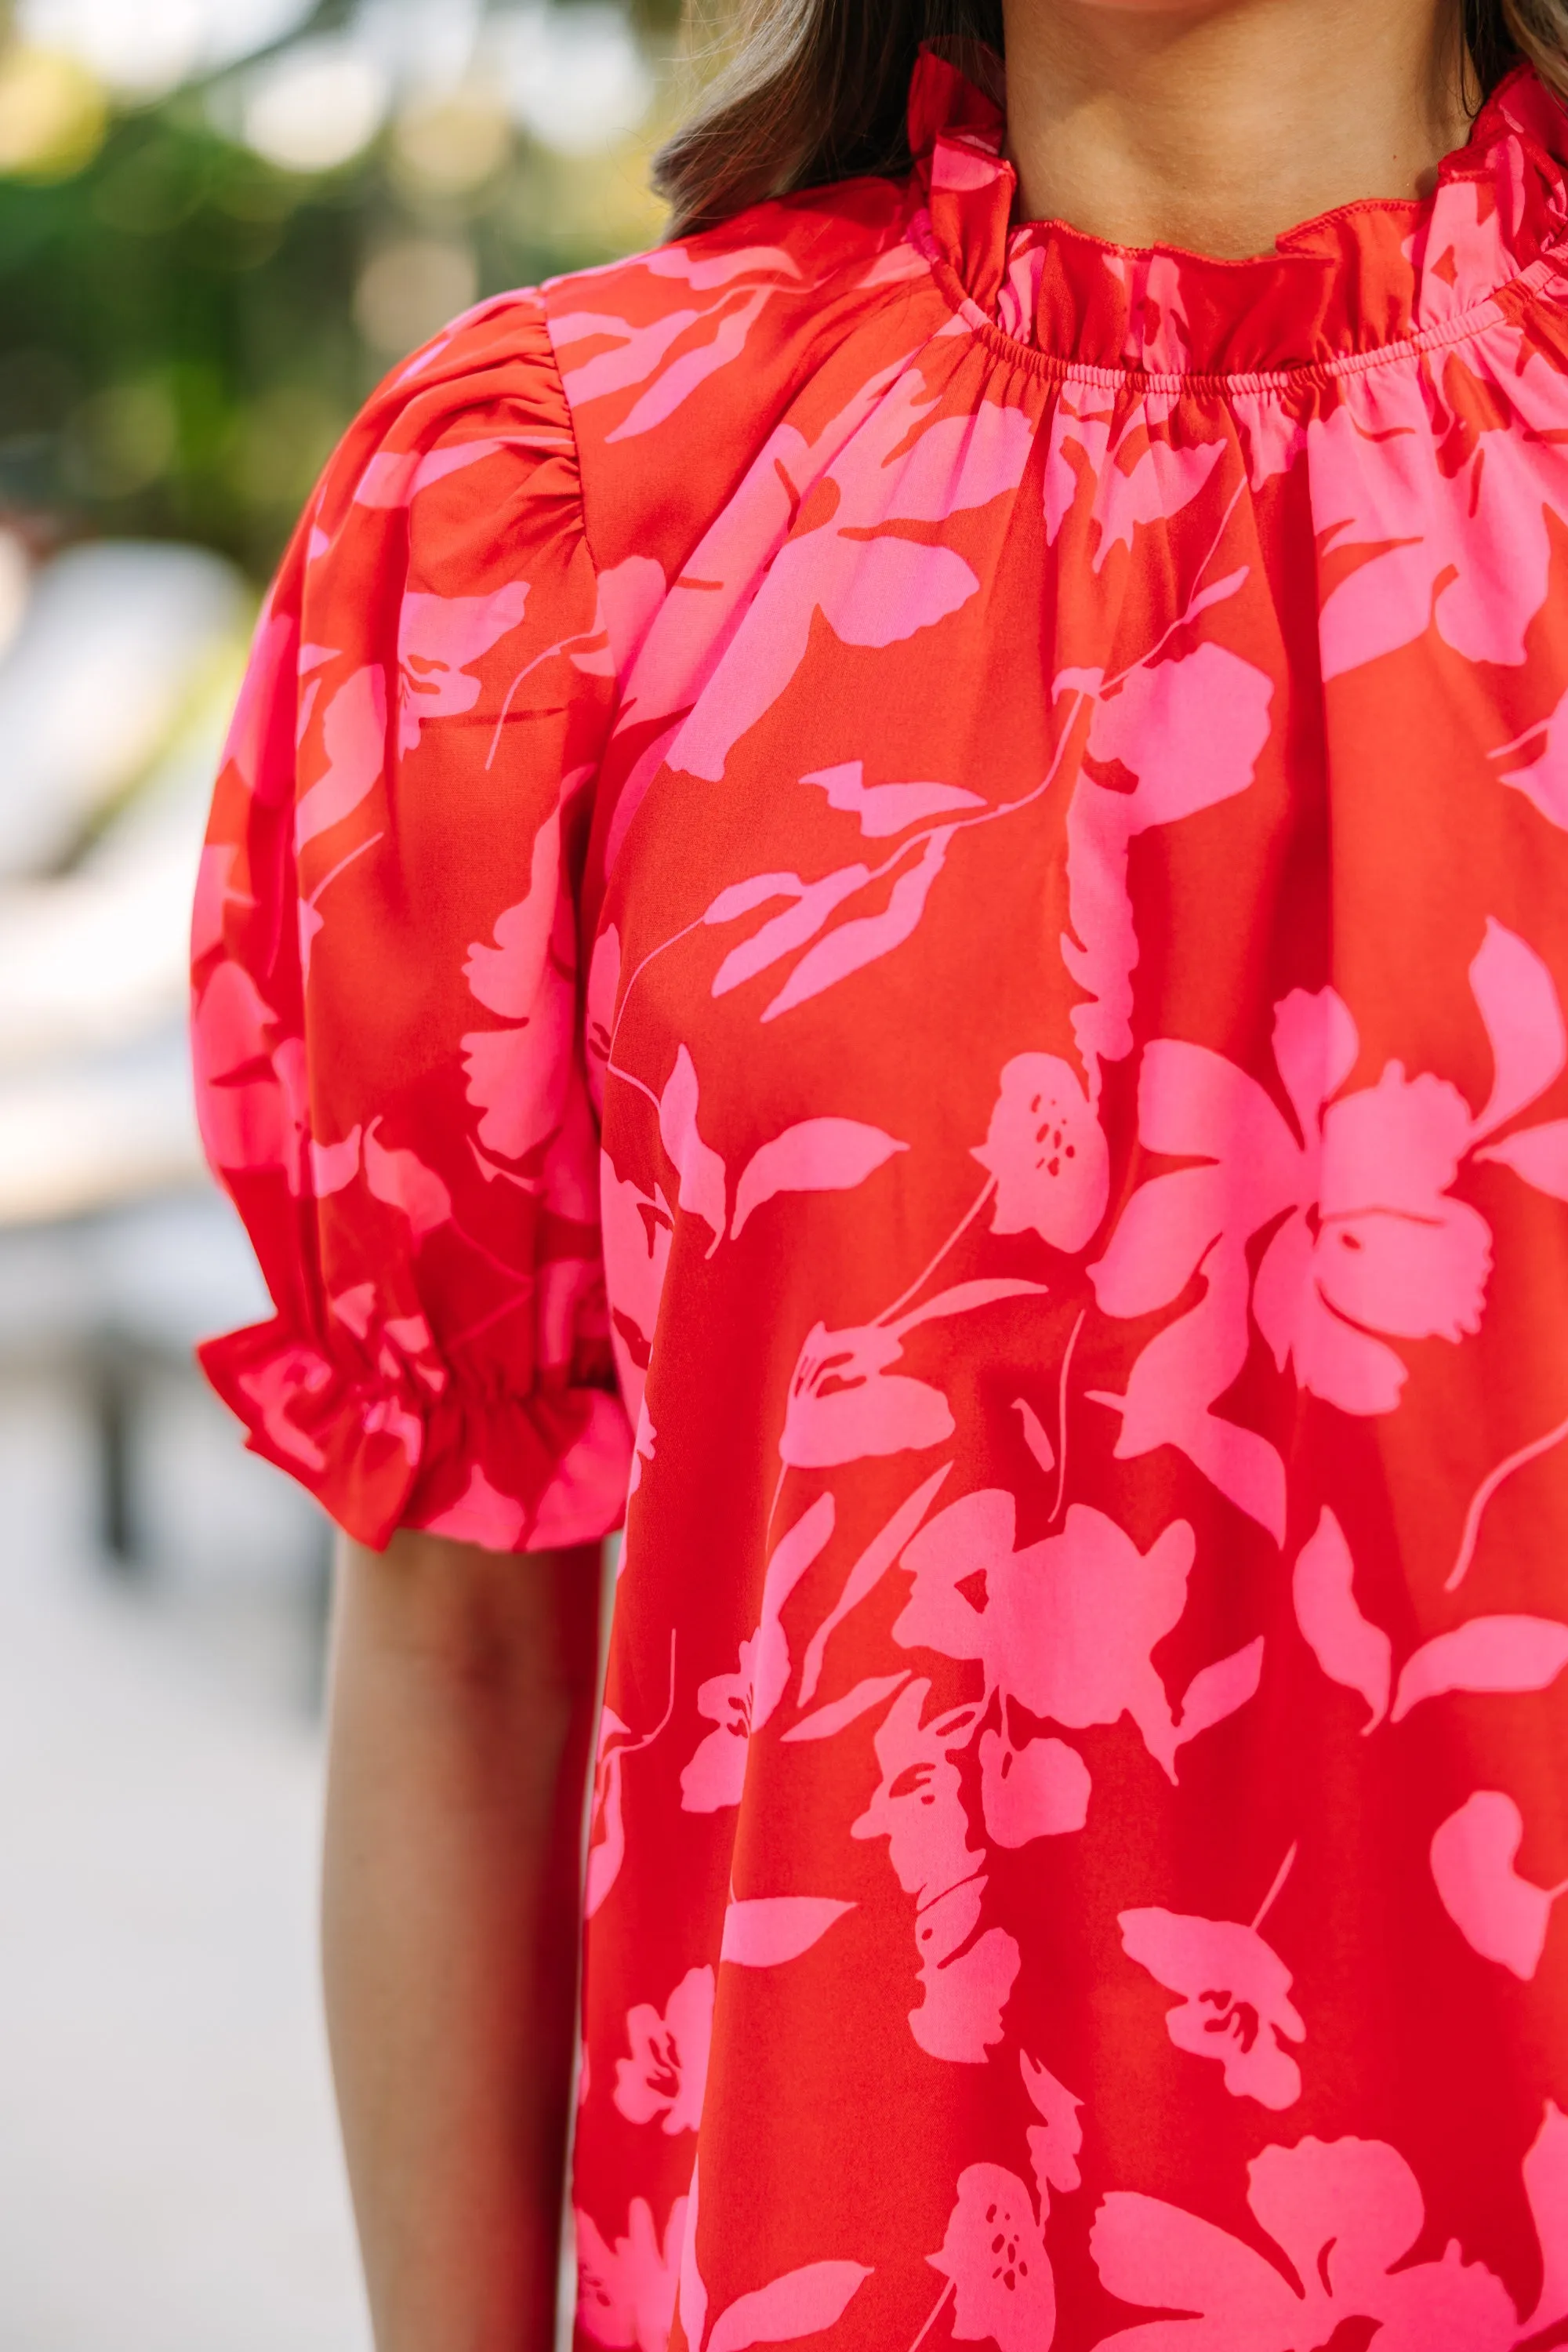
[(389, 1072)]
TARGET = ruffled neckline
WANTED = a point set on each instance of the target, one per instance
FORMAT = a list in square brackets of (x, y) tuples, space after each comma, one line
[(1336, 291)]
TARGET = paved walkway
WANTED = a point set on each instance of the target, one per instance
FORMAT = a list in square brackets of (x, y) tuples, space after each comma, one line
[(169, 2174)]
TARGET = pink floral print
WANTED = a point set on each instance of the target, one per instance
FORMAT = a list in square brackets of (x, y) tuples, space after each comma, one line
[(665, 2077), (994, 2257), (1236, 2006), (888, 902), (1369, 1242), (1345, 2214)]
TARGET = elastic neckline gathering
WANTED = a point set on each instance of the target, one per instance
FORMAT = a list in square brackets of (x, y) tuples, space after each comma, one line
[(1443, 335), (1368, 282)]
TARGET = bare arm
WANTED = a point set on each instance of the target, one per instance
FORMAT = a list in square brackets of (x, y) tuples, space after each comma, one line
[(461, 1717)]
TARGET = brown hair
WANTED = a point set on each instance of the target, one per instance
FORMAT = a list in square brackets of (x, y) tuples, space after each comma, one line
[(815, 90)]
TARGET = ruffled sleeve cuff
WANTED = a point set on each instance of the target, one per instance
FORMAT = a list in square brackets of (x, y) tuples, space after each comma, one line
[(381, 1450)]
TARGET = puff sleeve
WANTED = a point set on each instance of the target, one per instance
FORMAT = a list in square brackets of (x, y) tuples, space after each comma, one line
[(387, 1036)]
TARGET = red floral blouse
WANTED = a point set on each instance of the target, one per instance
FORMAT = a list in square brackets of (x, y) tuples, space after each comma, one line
[(904, 880)]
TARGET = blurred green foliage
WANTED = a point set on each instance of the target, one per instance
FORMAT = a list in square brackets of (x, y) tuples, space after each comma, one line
[(185, 329)]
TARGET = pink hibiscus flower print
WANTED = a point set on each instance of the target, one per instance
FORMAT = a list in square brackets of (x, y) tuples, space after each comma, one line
[(667, 2074), (732, 1703), (966, 1972), (1047, 1152), (1343, 2214), (1236, 2001), (1067, 1626), (993, 2258), (918, 1806), (625, 2291), (1368, 1242)]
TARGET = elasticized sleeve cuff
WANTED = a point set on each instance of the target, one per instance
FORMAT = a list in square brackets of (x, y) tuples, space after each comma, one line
[(512, 1474)]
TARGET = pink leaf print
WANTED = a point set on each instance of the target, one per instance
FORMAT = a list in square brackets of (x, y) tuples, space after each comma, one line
[(739, 1704), (666, 2076), (509, 978), (625, 2292), (607, 1823), (818, 1155), (739, 898), (215, 895), (768, 1930), (281, 1381), (394, 478), (827, 1722), (684, 374), (638, 352), (795, 1553), (1190, 732), (1035, 1435), (438, 637), (965, 1977), (873, 587), (1343, 2212), (638, 1231), (519, 1077), (845, 1405), (1351, 1649), (1543, 777), (354, 736), (1235, 1991), (881, 591), (1546, 2187), (1041, 1789), (1217, 1692), (868, 1573), (780, 934), (987, 1290), (1464, 554), (701, 1188), (631, 594), (1518, 1001), (333, 1166), (1055, 2142), (1047, 1152), (1490, 1654), (994, 2255), (403, 1180), (884, 809), (607, 1851), (1501, 1916), (865, 939), (803, 2303), (1538, 1154), (1154, 488), (600, 1006), (482, 1515)]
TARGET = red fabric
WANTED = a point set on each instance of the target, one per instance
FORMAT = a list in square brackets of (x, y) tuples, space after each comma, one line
[(991, 813)]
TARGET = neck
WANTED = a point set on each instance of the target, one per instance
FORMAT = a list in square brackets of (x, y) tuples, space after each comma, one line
[(1217, 124)]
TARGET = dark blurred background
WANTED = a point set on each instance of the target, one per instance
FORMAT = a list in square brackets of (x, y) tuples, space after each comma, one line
[(221, 222)]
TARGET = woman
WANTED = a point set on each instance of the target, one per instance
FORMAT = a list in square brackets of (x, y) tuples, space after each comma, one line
[(990, 731)]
